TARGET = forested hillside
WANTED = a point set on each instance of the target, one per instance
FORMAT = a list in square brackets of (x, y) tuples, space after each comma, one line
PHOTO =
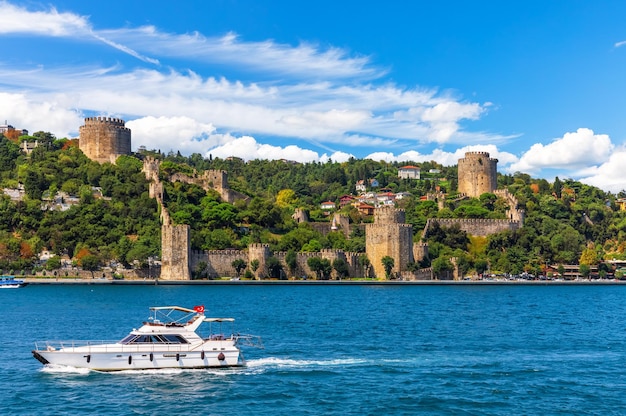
[(114, 219)]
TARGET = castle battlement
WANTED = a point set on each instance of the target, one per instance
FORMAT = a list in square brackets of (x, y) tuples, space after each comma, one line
[(226, 252), (475, 226), (389, 215), (109, 120)]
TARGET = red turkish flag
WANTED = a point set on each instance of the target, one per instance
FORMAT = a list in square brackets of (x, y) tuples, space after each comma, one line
[(199, 308)]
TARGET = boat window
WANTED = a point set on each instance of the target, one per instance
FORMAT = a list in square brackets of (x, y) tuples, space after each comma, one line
[(129, 339), (143, 339), (174, 339)]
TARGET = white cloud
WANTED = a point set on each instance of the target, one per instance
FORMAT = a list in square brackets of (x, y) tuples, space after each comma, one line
[(46, 23), (248, 148), (47, 115), (316, 104), (610, 174), (618, 44), (446, 158), (172, 133), (305, 59), (574, 150)]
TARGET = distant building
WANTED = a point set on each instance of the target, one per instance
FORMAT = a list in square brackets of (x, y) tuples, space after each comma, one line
[(327, 205), (7, 128), (409, 172)]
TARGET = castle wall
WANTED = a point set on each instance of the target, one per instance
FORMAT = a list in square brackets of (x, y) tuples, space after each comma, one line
[(104, 139), (477, 174), (475, 226), (514, 213)]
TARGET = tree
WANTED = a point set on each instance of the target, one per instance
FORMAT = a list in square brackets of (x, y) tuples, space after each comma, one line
[(314, 264), (442, 267), (481, 266), (254, 265), (364, 262), (274, 268), (291, 259), (589, 256), (321, 267), (239, 265), (53, 263), (584, 270), (201, 269), (388, 263), (341, 267), (90, 262)]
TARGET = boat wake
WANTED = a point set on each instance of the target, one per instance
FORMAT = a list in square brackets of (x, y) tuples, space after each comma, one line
[(63, 369), (254, 366), (287, 363)]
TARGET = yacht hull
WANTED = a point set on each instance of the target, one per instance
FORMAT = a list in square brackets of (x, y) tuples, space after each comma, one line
[(118, 361)]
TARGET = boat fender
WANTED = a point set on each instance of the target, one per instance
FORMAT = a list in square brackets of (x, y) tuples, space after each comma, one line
[(202, 355), (221, 356), (88, 357), (177, 357), (130, 359), (151, 357)]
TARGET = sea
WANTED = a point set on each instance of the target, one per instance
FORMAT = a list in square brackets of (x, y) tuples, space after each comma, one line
[(334, 350)]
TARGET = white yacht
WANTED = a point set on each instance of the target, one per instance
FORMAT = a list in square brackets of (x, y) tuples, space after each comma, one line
[(170, 339)]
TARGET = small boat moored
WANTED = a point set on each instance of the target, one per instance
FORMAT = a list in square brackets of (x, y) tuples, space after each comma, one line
[(10, 282), (170, 339)]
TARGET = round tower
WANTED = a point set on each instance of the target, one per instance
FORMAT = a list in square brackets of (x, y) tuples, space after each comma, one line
[(477, 174), (103, 139)]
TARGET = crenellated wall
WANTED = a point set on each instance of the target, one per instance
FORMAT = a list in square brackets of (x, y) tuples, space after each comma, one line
[(475, 226), (104, 139)]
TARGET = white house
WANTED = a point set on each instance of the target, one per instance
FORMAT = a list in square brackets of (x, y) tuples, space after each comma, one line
[(409, 172)]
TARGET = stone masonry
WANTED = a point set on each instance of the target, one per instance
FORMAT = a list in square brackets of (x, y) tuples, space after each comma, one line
[(389, 235), (477, 174), (104, 139)]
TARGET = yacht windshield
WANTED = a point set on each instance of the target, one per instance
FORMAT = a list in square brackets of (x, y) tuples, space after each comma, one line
[(154, 339)]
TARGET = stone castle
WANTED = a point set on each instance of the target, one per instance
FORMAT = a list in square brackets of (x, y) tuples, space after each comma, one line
[(104, 139), (389, 234), (477, 174)]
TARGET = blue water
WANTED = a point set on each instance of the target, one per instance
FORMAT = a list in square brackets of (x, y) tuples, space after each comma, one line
[(335, 350)]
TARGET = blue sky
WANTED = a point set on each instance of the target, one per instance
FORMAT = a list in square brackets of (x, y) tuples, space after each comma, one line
[(540, 85)]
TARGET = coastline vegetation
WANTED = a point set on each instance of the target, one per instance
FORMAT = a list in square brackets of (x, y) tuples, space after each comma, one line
[(96, 214)]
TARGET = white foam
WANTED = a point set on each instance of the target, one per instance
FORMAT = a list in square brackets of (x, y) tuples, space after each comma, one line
[(285, 362), (63, 369)]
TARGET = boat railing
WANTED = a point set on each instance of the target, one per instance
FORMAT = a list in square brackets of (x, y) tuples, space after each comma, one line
[(249, 340), (107, 346)]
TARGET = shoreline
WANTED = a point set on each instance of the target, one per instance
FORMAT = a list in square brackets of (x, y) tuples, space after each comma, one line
[(158, 282)]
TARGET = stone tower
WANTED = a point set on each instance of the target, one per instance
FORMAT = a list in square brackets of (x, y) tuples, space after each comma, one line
[(389, 236), (477, 174), (103, 139), (175, 248)]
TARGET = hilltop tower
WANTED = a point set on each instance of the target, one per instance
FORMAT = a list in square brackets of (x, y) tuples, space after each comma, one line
[(103, 139), (389, 236), (477, 174)]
